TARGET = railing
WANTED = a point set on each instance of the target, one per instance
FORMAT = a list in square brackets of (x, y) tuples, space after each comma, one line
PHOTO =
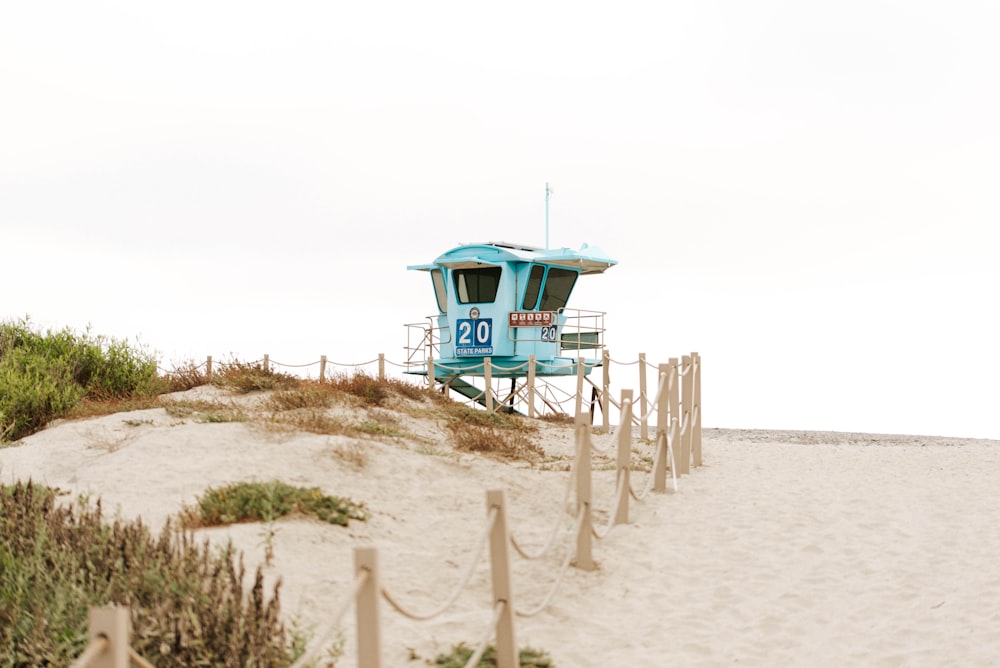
[(532, 395), (583, 331), (677, 405)]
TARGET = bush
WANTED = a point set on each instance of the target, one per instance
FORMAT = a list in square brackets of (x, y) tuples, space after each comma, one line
[(33, 391), (187, 601), (184, 377), (43, 376), (461, 653), (267, 501), (246, 377), (507, 445)]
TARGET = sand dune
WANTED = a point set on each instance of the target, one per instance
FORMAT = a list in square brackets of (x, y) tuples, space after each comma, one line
[(785, 548)]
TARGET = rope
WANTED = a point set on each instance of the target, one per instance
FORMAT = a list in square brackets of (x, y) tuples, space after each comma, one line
[(555, 527), (458, 590), (359, 582), (562, 571), (138, 660), (601, 535), (623, 363), (660, 444), (438, 365), (611, 438), (295, 366), (656, 399), (351, 364), (673, 463), (523, 365), (478, 654), (593, 364)]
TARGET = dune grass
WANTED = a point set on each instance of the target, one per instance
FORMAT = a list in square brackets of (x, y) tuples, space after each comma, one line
[(45, 375), (461, 653), (188, 606), (267, 501)]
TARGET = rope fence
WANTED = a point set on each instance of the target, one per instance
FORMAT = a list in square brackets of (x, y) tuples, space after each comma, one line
[(534, 395), (677, 405)]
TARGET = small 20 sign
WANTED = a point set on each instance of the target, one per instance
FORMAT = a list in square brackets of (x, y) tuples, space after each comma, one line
[(549, 333)]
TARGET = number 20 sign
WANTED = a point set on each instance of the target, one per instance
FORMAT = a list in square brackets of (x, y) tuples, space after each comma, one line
[(474, 337)]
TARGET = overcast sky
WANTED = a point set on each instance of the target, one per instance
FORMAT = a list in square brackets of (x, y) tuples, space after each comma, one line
[(803, 192)]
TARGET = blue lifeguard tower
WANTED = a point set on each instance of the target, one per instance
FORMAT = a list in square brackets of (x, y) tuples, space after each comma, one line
[(505, 303)]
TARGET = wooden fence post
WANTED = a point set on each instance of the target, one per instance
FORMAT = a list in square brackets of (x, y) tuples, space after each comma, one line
[(488, 377), (683, 453), (584, 540), (267, 362), (624, 455), (381, 366), (369, 633), (605, 390), (696, 432), (675, 438), (643, 413), (111, 623), (531, 386), (662, 424), (322, 368), (580, 368), (506, 643), (674, 380), (208, 368), (430, 373)]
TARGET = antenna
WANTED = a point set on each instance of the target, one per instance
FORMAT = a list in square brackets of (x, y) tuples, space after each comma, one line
[(548, 193)]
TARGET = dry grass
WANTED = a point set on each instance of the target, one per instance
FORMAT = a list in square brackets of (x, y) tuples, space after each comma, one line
[(310, 394), (186, 376), (503, 444), (561, 419), (200, 410), (89, 407), (311, 420), (352, 454), (246, 377)]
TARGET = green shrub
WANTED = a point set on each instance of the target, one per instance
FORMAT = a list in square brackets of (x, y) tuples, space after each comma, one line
[(187, 603), (33, 391), (43, 376), (461, 653), (266, 501)]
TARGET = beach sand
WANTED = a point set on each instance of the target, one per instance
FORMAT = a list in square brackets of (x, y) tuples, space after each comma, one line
[(785, 549)]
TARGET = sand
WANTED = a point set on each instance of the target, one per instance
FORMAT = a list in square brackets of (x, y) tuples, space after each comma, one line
[(785, 548)]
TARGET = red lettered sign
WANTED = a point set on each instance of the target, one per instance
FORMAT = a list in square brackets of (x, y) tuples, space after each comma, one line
[(531, 318)]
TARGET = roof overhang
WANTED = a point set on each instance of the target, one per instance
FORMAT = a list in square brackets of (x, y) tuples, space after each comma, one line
[(587, 260)]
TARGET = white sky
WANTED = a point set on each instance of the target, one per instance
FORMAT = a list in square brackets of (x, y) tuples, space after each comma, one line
[(803, 192)]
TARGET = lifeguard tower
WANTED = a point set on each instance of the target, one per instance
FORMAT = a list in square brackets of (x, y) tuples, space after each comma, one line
[(502, 313)]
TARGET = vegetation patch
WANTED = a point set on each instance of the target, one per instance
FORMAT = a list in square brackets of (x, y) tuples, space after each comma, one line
[(185, 376), (307, 395), (312, 421), (188, 606), (461, 653), (200, 410), (44, 375), (267, 501), (246, 377), (504, 444), (373, 391)]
